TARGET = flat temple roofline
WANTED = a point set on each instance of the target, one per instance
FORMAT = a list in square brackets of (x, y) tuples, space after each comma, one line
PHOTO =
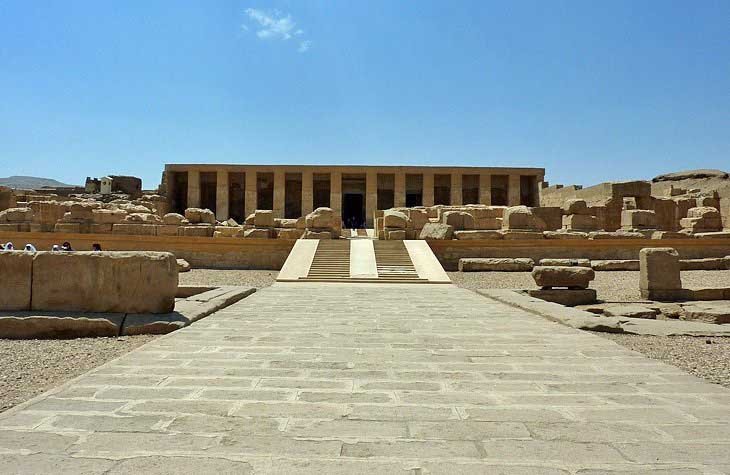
[(394, 168)]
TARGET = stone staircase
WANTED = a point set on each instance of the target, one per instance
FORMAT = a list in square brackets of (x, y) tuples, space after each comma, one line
[(331, 262), (394, 263)]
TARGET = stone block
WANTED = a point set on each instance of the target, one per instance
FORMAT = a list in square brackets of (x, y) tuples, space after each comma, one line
[(704, 212), (615, 235), (16, 215), (551, 216), (320, 234), (567, 297), (182, 265), (15, 288), (108, 216), (135, 229), (108, 282), (225, 231), (143, 218), (708, 263), (495, 264), (282, 223), (95, 228), (615, 265), (572, 277), (456, 219), (83, 211), (394, 219), (668, 235), (517, 234), (631, 311), (436, 232), (195, 231), (258, 233), (575, 206), (659, 271), (395, 234), (67, 228), (581, 222), (289, 233), (707, 293), (564, 235), (565, 262), (488, 223), (713, 235), (418, 218), (478, 234), (167, 230), (708, 312), (522, 217), (321, 218), (174, 219), (10, 227), (263, 218), (32, 325), (199, 215), (638, 219)]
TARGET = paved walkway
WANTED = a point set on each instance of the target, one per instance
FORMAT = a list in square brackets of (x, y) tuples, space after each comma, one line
[(371, 379)]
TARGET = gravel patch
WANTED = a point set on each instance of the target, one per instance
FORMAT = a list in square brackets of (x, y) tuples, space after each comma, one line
[(31, 367), (245, 278), (707, 358), (618, 286)]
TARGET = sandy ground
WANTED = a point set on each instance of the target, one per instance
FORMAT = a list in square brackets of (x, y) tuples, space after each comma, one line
[(245, 278), (31, 367), (707, 358)]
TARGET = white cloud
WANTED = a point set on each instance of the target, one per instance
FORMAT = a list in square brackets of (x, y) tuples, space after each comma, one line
[(274, 25), (304, 46)]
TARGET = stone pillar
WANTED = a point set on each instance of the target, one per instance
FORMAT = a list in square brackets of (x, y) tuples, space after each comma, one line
[(336, 193), (307, 192), (427, 189), (371, 197), (251, 193), (513, 194), (193, 189), (222, 212), (659, 276), (456, 198), (399, 190), (485, 189), (279, 192)]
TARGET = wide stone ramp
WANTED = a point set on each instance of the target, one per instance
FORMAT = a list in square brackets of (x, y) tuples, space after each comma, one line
[(362, 261), (377, 379)]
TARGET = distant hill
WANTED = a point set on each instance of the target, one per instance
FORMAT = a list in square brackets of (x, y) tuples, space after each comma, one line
[(29, 182)]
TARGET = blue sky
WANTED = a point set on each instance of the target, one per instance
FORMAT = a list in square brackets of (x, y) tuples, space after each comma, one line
[(592, 91)]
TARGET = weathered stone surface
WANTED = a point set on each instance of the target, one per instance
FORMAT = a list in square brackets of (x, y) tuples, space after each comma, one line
[(502, 264), (183, 265), (638, 219), (16, 215), (575, 206), (478, 234), (146, 218), (659, 271), (321, 218), (263, 218), (108, 216), (130, 228), (669, 235), (394, 219), (199, 215), (565, 235), (709, 312), (395, 234), (436, 231), (615, 264), (289, 233), (615, 235), (521, 234), (709, 263), (581, 222), (15, 280), (257, 233), (458, 219), (567, 297), (521, 217), (126, 282), (418, 218), (174, 218), (630, 311), (317, 234), (573, 277), (32, 325), (565, 262), (713, 235), (198, 231)]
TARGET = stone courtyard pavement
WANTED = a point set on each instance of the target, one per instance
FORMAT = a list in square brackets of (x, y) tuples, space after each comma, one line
[(371, 379)]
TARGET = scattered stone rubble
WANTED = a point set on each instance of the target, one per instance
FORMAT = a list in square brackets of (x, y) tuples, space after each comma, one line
[(566, 285)]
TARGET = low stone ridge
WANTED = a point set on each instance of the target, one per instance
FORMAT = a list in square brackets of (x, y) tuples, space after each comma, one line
[(615, 265), (499, 264), (572, 277), (630, 311), (565, 262), (567, 297)]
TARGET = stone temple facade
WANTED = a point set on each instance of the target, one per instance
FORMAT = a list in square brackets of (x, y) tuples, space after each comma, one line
[(354, 192)]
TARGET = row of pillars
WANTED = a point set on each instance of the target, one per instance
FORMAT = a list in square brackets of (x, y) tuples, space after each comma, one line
[(371, 191)]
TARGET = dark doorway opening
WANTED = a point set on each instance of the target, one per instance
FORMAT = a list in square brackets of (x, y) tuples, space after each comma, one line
[(353, 210), (208, 190), (179, 192)]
